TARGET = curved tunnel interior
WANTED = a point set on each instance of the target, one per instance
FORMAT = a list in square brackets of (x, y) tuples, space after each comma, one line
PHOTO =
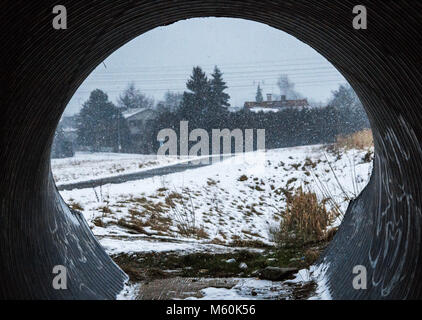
[(42, 68)]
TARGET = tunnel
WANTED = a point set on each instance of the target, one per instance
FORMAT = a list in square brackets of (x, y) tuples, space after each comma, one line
[(41, 68)]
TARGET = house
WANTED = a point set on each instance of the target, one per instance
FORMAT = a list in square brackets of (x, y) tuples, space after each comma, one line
[(140, 121), (69, 126), (275, 105)]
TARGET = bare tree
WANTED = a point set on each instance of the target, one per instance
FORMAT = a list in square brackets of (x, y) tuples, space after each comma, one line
[(133, 98)]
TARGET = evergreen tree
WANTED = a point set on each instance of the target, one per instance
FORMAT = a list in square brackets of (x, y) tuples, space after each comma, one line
[(195, 103), (219, 98), (349, 109), (259, 98), (345, 98), (101, 124)]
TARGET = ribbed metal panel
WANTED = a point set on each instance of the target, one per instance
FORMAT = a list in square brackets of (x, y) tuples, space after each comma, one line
[(41, 68)]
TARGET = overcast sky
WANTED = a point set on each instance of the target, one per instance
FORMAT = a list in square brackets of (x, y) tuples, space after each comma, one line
[(247, 53)]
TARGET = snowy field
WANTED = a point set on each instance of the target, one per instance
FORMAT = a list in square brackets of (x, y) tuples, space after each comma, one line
[(208, 209), (240, 198), (91, 165)]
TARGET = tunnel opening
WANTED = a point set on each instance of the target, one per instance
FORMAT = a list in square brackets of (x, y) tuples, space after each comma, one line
[(381, 228), (221, 142)]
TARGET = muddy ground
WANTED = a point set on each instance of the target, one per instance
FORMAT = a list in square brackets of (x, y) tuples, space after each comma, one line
[(172, 275)]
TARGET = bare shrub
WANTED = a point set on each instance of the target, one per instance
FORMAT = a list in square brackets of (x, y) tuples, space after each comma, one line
[(99, 195), (305, 220), (183, 213), (105, 210)]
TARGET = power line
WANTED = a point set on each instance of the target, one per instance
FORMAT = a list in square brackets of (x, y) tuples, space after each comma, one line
[(166, 72), (221, 65), (299, 84), (231, 81), (227, 78)]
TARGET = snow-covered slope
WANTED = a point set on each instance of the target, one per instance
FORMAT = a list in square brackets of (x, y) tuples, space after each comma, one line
[(237, 199)]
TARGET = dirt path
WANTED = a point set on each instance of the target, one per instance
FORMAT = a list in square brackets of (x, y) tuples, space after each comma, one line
[(212, 275), (223, 288), (181, 288), (160, 171)]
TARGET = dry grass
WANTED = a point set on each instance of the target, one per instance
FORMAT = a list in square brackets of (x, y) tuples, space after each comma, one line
[(362, 140), (147, 164), (217, 241), (76, 206), (201, 233), (145, 213), (105, 210), (172, 197), (238, 242), (134, 225), (211, 182), (305, 220), (158, 217), (183, 212), (243, 178), (98, 222)]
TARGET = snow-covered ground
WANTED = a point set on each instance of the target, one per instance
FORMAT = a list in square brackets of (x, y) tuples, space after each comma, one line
[(240, 198), (91, 165), (263, 289), (130, 244)]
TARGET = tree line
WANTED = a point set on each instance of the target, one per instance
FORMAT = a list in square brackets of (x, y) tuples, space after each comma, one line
[(102, 126), (205, 104)]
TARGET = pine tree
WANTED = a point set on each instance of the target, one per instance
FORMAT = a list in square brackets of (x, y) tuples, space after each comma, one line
[(101, 124), (219, 98), (345, 98), (195, 103), (259, 98)]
